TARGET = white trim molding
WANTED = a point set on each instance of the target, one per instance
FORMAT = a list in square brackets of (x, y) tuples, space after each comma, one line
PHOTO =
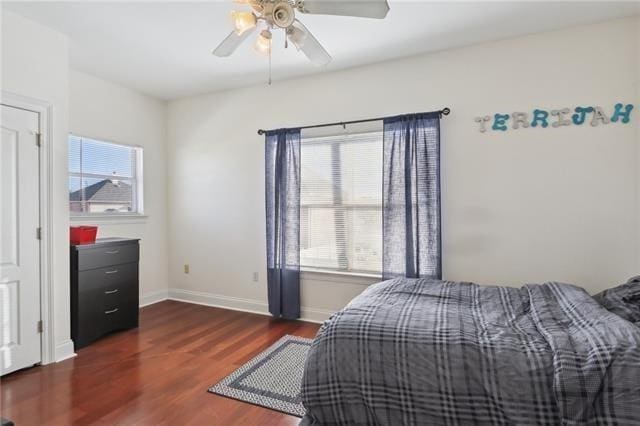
[(113, 219), (339, 277), (151, 297), (64, 350), (240, 304), (49, 350), (315, 315)]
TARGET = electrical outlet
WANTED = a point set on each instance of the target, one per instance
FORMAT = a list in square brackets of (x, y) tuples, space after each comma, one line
[(255, 277), (186, 268)]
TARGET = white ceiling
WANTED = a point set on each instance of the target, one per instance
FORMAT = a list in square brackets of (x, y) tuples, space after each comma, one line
[(164, 48)]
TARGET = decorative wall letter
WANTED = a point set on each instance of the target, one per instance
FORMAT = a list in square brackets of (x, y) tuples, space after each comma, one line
[(500, 122), (598, 115), (561, 114), (482, 121), (562, 117), (581, 115), (520, 119), (540, 115), (619, 113)]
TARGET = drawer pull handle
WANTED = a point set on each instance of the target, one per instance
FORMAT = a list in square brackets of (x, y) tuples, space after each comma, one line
[(115, 271), (111, 291), (111, 311), (113, 252)]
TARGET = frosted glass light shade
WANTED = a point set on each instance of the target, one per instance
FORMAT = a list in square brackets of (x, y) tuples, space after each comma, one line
[(263, 42), (243, 21)]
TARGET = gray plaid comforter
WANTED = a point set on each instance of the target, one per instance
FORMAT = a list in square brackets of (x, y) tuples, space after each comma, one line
[(425, 352)]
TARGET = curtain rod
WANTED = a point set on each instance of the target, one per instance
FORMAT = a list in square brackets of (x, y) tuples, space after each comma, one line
[(444, 111)]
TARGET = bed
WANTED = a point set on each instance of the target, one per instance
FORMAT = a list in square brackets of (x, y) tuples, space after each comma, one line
[(418, 351)]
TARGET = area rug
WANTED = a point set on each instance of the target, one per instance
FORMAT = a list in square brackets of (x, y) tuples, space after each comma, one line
[(272, 379)]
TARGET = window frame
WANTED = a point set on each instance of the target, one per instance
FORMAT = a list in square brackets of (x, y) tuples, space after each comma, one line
[(361, 274), (137, 182)]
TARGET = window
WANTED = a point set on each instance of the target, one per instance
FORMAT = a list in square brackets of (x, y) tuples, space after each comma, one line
[(104, 177), (341, 203)]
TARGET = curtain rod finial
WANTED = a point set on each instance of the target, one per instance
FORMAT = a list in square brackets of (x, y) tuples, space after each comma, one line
[(445, 111), (261, 132)]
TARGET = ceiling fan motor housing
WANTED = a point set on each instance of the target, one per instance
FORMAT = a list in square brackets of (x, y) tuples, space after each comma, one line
[(283, 14), (257, 6)]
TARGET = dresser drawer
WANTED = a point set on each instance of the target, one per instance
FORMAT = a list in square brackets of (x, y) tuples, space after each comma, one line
[(111, 315), (119, 315), (104, 289), (108, 278), (99, 257)]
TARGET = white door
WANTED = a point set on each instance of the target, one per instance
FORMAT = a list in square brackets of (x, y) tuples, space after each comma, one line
[(19, 243)]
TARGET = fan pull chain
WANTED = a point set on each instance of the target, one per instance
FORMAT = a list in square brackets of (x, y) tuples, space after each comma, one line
[(269, 65)]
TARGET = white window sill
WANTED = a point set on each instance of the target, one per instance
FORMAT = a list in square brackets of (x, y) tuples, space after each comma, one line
[(339, 276), (98, 219)]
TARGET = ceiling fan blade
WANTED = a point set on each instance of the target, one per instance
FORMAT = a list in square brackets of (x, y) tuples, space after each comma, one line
[(302, 38), (231, 43), (361, 8)]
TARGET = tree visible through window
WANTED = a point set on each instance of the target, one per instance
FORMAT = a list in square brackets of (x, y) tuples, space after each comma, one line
[(103, 177), (341, 203)]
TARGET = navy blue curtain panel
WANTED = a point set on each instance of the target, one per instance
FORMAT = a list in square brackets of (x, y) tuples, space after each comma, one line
[(282, 192), (411, 241)]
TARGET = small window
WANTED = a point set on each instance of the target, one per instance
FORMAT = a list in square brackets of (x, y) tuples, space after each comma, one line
[(341, 203), (104, 177)]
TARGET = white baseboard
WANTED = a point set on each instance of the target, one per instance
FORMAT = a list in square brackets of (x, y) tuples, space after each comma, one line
[(64, 350), (219, 301), (315, 315), (241, 304), (151, 297)]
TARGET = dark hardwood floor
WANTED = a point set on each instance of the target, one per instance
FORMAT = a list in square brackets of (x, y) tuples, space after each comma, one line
[(156, 374)]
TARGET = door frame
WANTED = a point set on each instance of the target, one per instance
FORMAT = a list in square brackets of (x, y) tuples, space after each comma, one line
[(45, 114)]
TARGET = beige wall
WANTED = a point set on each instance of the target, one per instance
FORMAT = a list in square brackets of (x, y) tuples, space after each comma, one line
[(523, 206), (637, 84), (520, 206), (103, 110), (35, 64)]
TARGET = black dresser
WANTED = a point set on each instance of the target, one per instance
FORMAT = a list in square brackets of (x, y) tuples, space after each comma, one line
[(104, 288)]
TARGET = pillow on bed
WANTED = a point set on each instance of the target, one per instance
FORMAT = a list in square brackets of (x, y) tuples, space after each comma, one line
[(623, 300)]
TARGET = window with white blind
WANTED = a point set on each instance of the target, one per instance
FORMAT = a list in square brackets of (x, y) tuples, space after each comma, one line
[(104, 177), (341, 203)]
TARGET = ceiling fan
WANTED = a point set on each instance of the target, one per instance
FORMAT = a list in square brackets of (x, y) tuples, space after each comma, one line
[(281, 14)]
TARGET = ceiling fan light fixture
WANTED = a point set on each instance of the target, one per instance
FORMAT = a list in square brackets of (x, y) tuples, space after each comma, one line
[(243, 21), (263, 42), (256, 5), (281, 14)]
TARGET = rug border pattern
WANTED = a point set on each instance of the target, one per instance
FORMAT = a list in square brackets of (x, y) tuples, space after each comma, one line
[(224, 387)]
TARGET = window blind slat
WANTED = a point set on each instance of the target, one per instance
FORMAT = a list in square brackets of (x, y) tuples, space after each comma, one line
[(341, 202), (102, 176)]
